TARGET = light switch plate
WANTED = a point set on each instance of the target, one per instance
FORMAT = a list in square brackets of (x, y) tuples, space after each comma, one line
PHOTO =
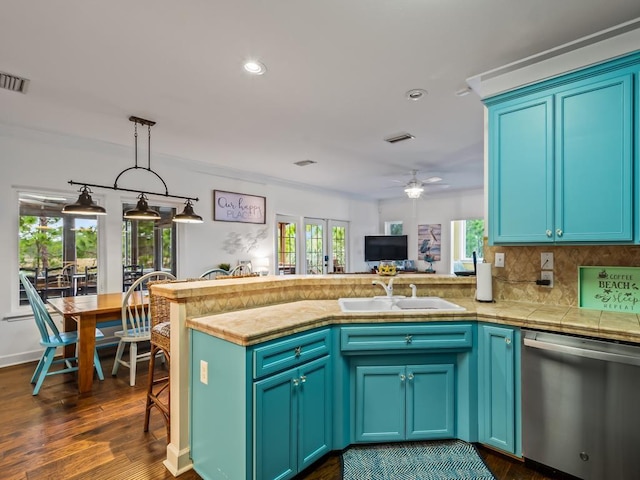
[(500, 259), (546, 261)]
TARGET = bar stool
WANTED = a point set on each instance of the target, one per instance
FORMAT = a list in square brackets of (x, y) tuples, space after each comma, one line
[(158, 388), (158, 394)]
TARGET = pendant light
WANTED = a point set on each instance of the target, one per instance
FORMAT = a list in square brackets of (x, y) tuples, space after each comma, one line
[(188, 215), (142, 211), (84, 205)]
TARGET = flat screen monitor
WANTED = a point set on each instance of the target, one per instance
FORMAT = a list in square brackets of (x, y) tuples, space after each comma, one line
[(385, 247)]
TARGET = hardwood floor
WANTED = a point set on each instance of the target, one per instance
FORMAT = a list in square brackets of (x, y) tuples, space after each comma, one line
[(61, 434)]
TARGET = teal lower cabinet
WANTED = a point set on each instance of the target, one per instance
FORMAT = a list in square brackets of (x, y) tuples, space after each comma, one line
[(292, 419), (499, 390), (404, 402), (268, 411), (262, 412)]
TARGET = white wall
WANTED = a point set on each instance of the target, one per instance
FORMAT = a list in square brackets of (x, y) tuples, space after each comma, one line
[(45, 161), (441, 208)]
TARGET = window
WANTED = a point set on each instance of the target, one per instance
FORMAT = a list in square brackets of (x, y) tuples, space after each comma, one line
[(314, 246), (467, 237), (54, 249), (393, 227), (339, 247), (286, 247), (148, 245)]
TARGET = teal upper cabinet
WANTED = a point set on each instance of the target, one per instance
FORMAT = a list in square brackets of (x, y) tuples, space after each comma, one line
[(594, 154), (561, 161), (521, 184)]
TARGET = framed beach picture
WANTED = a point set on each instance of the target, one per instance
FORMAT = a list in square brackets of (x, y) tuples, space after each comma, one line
[(238, 207)]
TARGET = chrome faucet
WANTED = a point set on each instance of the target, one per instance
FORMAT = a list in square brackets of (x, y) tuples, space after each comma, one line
[(388, 289), (414, 293)]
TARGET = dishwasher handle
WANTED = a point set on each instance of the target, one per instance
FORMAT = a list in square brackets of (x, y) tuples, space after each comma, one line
[(583, 352)]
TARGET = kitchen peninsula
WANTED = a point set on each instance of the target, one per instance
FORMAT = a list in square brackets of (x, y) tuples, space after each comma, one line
[(241, 316)]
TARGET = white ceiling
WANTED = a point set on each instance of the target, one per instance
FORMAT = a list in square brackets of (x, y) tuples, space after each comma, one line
[(335, 86)]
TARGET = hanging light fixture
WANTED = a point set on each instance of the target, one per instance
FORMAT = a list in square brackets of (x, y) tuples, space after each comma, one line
[(84, 205), (188, 215), (142, 211)]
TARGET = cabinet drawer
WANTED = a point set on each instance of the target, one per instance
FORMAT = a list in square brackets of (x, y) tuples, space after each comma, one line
[(290, 353), (406, 337)]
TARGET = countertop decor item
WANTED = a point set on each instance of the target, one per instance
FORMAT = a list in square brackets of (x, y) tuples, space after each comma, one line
[(415, 461), (86, 206), (387, 268)]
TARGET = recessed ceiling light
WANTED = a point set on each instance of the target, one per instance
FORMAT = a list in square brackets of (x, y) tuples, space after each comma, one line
[(254, 67), (415, 94)]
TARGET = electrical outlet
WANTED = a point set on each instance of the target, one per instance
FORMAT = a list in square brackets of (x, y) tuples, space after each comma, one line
[(204, 372), (546, 261), (547, 275), (500, 259)]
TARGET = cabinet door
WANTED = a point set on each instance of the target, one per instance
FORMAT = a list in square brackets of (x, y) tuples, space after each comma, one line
[(594, 155), (496, 387), (521, 171), (314, 411), (430, 402), (276, 426), (380, 403)]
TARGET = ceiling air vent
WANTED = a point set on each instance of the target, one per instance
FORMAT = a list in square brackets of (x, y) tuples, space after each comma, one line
[(13, 83), (399, 138), (304, 163)]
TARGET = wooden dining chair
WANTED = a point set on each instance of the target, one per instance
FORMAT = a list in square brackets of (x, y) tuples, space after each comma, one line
[(136, 323), (51, 338), (214, 273)]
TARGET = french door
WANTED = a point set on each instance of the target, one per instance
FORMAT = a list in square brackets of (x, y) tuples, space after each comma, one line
[(321, 249)]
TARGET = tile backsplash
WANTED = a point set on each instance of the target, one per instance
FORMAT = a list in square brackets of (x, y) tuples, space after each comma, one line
[(516, 281)]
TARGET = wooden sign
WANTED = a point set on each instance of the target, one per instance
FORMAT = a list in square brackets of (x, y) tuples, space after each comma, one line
[(238, 207), (609, 288)]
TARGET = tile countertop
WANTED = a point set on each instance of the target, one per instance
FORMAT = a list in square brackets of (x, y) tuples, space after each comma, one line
[(257, 325)]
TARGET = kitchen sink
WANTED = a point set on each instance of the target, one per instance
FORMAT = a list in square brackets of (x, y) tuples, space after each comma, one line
[(386, 304)]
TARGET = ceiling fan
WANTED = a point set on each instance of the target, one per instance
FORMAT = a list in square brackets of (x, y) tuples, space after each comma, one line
[(415, 187)]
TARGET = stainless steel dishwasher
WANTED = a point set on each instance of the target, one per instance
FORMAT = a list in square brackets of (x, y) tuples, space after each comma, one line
[(581, 405)]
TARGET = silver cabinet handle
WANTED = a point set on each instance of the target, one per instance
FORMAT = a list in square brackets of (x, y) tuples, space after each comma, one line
[(549, 233), (507, 341), (410, 376), (303, 378), (408, 339), (295, 382), (402, 377), (298, 352), (559, 232)]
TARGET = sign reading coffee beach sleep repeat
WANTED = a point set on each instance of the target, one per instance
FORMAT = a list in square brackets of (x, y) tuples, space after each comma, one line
[(610, 288)]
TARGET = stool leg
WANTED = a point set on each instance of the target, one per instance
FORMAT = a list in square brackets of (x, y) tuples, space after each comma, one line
[(152, 363)]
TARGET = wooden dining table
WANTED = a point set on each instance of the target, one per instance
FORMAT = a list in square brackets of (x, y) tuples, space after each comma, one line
[(83, 313)]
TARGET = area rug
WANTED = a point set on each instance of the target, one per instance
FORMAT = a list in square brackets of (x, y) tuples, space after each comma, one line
[(442, 460)]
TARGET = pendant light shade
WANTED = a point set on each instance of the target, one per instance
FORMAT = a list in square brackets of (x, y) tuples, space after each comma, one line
[(84, 205), (142, 211), (188, 215)]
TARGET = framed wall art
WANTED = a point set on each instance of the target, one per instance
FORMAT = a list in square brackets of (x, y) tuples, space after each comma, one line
[(238, 207)]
